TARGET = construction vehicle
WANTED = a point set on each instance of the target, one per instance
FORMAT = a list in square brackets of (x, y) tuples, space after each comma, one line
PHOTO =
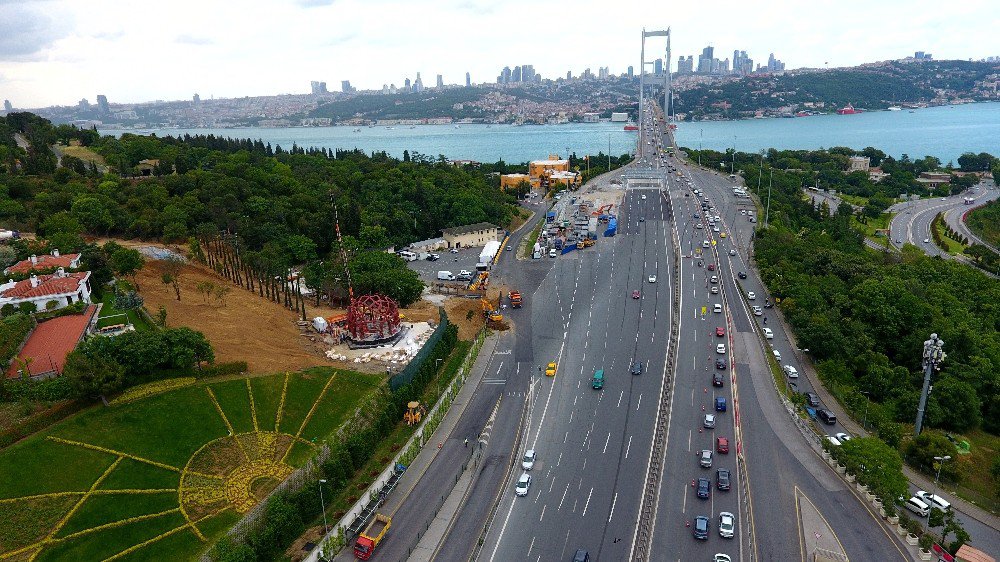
[(515, 299), (603, 210), (372, 535), (491, 314), (586, 243), (414, 412)]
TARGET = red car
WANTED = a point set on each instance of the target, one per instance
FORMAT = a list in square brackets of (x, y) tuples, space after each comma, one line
[(711, 267), (720, 331), (722, 445), (635, 294)]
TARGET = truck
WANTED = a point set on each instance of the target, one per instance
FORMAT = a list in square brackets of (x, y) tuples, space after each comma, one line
[(612, 227), (550, 216), (515, 299), (372, 535), (9, 235)]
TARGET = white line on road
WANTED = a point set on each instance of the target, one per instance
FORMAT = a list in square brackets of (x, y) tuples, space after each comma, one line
[(684, 505), (637, 402), (629, 447), (586, 505), (543, 512), (606, 441), (620, 399), (563, 497), (559, 460), (502, 529), (531, 546), (613, 502), (553, 483)]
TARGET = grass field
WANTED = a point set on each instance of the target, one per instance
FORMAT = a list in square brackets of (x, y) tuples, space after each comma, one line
[(110, 315), (162, 477)]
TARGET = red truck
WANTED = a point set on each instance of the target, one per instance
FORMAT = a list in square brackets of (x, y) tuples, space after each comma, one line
[(515, 299), (371, 536)]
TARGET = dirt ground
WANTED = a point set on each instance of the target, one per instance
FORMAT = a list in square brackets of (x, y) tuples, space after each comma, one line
[(245, 328)]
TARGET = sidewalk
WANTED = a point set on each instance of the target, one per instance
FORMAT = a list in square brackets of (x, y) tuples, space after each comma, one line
[(418, 467), (847, 422)]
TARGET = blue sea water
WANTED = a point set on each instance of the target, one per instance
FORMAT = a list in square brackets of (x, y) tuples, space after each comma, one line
[(945, 132)]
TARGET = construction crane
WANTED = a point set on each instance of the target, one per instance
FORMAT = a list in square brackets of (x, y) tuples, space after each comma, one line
[(343, 255)]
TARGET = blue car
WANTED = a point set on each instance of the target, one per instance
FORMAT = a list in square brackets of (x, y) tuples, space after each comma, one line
[(701, 528), (704, 488), (720, 404)]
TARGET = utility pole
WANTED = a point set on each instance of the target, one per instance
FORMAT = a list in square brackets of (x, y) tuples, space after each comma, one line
[(940, 463), (932, 357), (767, 212)]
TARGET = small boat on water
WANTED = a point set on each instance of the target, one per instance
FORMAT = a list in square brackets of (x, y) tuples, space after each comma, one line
[(895, 108), (357, 129), (631, 126)]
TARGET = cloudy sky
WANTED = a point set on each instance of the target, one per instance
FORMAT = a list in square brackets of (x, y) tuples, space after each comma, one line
[(54, 52)]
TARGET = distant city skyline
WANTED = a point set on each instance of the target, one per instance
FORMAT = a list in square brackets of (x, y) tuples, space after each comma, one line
[(54, 52)]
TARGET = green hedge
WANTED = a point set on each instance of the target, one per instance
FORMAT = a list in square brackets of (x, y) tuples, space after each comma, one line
[(13, 330)]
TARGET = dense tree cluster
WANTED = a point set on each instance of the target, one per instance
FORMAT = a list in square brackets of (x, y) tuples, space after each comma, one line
[(864, 315)]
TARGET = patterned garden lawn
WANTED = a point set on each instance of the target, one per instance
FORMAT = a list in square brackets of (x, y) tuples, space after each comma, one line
[(163, 475)]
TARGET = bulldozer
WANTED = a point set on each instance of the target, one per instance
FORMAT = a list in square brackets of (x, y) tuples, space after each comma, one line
[(415, 411)]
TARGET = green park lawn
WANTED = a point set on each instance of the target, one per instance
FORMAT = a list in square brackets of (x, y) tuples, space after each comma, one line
[(152, 478), (110, 315)]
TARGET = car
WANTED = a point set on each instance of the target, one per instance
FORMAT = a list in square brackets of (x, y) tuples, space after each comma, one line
[(720, 404), (642, 219), (643, 196), (752, 295), (833, 440), (714, 290), (528, 462), (652, 279), (550, 370), (711, 267), (743, 211), (718, 218), (705, 458), (720, 557), (842, 436), (727, 524), (826, 416), (732, 252), (697, 216), (768, 333), (812, 399), (933, 500), (701, 528), (714, 279), (453, 250), (704, 488), (706, 244), (720, 331), (509, 248), (790, 371), (635, 294), (717, 308), (637, 368), (720, 364), (722, 479), (523, 483), (777, 354), (709, 421), (715, 228), (717, 379), (581, 555), (742, 275), (433, 257), (927, 240), (722, 235), (917, 505), (757, 311), (698, 225), (722, 445)]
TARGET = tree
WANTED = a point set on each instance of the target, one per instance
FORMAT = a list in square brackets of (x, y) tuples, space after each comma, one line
[(875, 464), (920, 452), (92, 376), (63, 231), (173, 268), (187, 348), (380, 272), (954, 405), (127, 262), (93, 214)]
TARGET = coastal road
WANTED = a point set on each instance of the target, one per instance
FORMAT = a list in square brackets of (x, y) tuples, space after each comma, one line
[(983, 193), (912, 222), (778, 461)]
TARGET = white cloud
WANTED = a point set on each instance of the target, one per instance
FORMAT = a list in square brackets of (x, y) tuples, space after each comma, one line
[(61, 50)]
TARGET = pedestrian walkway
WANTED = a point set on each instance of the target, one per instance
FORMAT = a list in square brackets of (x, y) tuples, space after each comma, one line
[(418, 467)]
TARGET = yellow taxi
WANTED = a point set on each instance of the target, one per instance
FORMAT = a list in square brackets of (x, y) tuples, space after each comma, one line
[(723, 234), (550, 371)]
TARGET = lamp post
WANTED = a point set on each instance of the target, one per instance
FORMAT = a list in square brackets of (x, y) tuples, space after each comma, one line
[(326, 528), (933, 355), (940, 461), (864, 420)]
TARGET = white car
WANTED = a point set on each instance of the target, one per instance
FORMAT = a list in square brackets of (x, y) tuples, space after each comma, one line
[(777, 354), (528, 462), (715, 289), (523, 483), (706, 244), (768, 334), (933, 500), (791, 372), (727, 523), (842, 437), (698, 225), (732, 252), (715, 228), (927, 240), (720, 557), (714, 279), (453, 250), (752, 295), (758, 311), (644, 197), (709, 421), (717, 308), (721, 349), (652, 279)]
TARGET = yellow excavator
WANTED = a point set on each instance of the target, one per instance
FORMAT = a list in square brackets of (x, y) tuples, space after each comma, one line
[(492, 314), (414, 412)]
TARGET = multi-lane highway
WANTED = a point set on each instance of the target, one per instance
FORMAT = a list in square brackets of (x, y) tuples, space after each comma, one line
[(912, 222)]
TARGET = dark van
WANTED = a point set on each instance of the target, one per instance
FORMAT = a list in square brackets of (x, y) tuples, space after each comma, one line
[(826, 416)]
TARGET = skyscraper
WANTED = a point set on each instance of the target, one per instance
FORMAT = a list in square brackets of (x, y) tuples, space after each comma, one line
[(196, 99), (406, 86), (418, 84), (685, 65), (515, 76), (630, 71), (528, 73), (345, 86), (440, 81), (569, 74), (468, 79), (505, 75), (102, 104), (7, 106), (705, 59), (658, 67)]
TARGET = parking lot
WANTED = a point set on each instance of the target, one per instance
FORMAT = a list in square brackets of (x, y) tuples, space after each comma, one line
[(466, 258)]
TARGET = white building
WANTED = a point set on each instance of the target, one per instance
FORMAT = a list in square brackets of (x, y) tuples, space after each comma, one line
[(60, 287)]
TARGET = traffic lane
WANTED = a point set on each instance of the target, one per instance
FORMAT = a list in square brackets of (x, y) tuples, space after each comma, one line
[(984, 537)]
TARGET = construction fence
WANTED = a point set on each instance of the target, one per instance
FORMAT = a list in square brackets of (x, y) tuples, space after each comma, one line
[(411, 369)]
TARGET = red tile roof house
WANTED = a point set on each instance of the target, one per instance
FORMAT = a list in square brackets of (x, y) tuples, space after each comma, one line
[(54, 260), (60, 287), (48, 345)]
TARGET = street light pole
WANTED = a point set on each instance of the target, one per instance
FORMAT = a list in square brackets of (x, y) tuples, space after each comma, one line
[(767, 212), (940, 463), (932, 357), (322, 503)]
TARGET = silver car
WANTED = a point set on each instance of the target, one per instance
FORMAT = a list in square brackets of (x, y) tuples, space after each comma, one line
[(705, 460), (727, 525), (523, 483), (709, 421)]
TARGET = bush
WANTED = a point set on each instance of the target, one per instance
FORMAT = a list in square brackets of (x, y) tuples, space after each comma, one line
[(27, 308), (223, 369), (13, 330), (49, 390), (920, 453)]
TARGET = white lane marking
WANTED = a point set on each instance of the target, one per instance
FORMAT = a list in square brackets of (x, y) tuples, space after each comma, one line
[(638, 402), (620, 399), (629, 447), (613, 502), (689, 440), (502, 529), (563, 497), (606, 441), (571, 417), (566, 437), (531, 546), (684, 505), (559, 461), (553, 483), (586, 505), (543, 513)]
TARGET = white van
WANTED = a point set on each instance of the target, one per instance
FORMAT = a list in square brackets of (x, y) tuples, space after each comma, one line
[(408, 256), (553, 253), (916, 505), (717, 308), (777, 355), (445, 276)]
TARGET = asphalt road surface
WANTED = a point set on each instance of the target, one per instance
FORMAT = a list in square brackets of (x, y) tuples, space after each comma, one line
[(912, 222)]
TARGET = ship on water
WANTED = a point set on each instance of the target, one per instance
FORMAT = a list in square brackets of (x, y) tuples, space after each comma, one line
[(630, 126), (848, 110)]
